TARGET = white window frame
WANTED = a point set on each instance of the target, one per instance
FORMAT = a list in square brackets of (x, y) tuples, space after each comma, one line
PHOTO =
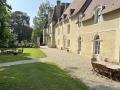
[(97, 45), (98, 15)]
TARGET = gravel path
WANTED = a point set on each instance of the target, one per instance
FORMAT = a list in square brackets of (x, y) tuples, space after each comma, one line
[(80, 68)]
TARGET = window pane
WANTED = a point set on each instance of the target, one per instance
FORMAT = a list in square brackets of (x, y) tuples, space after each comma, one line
[(97, 45)]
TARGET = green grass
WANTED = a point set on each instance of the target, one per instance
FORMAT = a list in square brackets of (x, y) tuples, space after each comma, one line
[(38, 76), (29, 53)]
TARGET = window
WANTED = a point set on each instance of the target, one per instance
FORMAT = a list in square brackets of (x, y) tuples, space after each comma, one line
[(60, 19), (68, 30), (72, 11), (68, 43), (65, 15), (98, 14), (97, 45), (79, 44), (64, 41), (80, 17)]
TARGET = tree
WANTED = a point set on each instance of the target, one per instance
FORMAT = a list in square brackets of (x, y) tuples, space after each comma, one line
[(21, 26), (39, 21), (5, 24)]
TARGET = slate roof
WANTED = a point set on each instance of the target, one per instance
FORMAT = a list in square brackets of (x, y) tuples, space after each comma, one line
[(110, 5), (77, 4), (89, 6), (63, 8)]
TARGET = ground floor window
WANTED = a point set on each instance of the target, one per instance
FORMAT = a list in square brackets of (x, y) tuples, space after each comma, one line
[(79, 44), (97, 44), (68, 43), (64, 41)]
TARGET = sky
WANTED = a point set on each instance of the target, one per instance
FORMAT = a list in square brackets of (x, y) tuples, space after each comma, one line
[(29, 6)]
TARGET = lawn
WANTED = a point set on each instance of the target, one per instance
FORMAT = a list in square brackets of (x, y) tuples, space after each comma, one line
[(37, 76), (29, 53)]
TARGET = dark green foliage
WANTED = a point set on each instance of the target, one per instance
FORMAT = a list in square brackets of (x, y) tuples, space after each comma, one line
[(28, 54), (21, 26), (6, 35), (40, 20)]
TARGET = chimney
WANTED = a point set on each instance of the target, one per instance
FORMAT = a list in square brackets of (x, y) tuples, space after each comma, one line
[(58, 8), (58, 2)]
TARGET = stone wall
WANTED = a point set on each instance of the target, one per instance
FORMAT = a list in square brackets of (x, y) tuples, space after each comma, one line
[(108, 30)]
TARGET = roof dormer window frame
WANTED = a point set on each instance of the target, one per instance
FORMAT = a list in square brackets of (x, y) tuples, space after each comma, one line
[(98, 14), (80, 19), (72, 11), (65, 16), (59, 20)]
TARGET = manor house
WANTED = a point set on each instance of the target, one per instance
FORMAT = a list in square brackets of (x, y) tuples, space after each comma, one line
[(87, 27)]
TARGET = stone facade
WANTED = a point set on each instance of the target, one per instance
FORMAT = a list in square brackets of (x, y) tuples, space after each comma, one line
[(96, 36), (54, 14)]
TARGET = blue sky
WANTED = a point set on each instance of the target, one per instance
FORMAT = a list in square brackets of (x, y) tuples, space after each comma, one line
[(29, 6)]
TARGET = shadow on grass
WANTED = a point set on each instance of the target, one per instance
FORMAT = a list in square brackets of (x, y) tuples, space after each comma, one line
[(37, 76), (26, 54), (10, 58)]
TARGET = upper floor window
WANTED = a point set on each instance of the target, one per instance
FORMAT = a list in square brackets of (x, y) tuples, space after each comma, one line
[(72, 11), (98, 14), (59, 20), (79, 44), (65, 16), (80, 17), (68, 29)]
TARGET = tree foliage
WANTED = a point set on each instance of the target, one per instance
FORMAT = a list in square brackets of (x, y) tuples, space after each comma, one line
[(21, 26), (39, 21), (5, 24)]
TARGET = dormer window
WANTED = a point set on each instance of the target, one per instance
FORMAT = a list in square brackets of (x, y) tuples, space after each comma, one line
[(60, 19), (80, 17), (98, 14), (65, 15), (72, 11)]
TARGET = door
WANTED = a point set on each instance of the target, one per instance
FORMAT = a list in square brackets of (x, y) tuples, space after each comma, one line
[(97, 47)]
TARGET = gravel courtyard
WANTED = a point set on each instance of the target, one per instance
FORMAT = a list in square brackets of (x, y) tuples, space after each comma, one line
[(80, 68)]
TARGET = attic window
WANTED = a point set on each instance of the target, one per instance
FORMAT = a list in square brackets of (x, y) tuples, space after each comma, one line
[(72, 11), (65, 15), (60, 19), (81, 17), (98, 14)]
